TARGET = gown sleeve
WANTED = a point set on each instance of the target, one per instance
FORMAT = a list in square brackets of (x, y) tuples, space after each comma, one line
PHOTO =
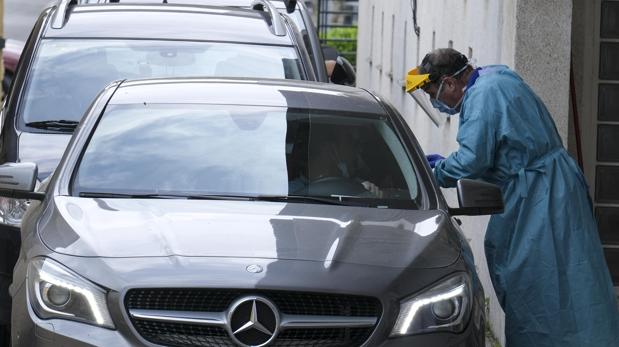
[(477, 140)]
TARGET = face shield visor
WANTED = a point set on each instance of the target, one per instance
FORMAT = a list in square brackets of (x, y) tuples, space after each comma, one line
[(415, 81)]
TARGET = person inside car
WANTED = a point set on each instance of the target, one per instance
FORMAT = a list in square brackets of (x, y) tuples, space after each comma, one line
[(333, 167)]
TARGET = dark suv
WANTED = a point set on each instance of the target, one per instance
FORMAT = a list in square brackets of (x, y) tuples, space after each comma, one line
[(76, 49)]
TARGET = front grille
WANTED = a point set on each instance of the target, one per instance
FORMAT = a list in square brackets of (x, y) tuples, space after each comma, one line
[(333, 337), (219, 300), (204, 300), (181, 335)]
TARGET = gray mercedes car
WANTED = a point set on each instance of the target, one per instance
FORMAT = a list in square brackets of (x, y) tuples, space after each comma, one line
[(239, 212)]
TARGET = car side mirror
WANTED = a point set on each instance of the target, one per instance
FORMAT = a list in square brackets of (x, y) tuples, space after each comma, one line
[(343, 72), (18, 180), (478, 198)]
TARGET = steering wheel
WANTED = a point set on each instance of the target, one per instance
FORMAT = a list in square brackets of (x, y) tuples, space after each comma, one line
[(335, 185)]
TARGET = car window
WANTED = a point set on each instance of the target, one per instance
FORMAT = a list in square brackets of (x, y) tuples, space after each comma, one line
[(247, 151), (67, 74)]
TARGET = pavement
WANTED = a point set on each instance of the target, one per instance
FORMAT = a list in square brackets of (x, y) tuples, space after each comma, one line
[(20, 16)]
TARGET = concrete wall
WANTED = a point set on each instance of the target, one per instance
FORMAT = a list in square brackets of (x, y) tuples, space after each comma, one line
[(531, 36), (542, 53)]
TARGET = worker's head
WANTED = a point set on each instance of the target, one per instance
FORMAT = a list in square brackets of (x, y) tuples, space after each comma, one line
[(448, 70)]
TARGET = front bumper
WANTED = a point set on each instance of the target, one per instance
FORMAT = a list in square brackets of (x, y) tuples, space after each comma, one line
[(30, 330), (35, 332)]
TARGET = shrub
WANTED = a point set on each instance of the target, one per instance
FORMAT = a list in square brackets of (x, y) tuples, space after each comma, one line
[(346, 48)]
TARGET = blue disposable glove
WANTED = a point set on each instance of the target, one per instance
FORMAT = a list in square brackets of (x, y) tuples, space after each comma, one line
[(433, 159)]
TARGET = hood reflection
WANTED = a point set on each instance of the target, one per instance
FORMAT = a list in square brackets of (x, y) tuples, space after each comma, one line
[(241, 229)]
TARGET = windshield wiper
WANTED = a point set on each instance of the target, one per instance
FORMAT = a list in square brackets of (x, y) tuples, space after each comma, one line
[(60, 125), (162, 196), (274, 198), (128, 196)]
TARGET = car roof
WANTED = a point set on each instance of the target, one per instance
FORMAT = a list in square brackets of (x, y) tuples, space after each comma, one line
[(169, 22), (247, 92), (236, 3)]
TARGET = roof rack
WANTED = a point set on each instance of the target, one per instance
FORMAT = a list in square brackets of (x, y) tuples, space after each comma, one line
[(61, 13), (290, 4), (277, 25)]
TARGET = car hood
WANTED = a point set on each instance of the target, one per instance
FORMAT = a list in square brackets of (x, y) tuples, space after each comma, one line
[(45, 150), (119, 228)]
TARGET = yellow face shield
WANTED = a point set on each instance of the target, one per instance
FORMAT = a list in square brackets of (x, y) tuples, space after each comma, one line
[(415, 80)]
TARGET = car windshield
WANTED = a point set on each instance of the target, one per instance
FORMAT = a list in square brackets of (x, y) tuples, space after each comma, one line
[(247, 151), (67, 74)]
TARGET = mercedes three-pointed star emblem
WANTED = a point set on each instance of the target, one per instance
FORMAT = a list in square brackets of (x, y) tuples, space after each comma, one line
[(253, 321)]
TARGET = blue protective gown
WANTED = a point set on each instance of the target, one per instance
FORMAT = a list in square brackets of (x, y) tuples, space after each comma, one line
[(544, 253)]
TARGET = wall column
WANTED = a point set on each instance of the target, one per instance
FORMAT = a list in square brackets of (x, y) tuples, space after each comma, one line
[(542, 54)]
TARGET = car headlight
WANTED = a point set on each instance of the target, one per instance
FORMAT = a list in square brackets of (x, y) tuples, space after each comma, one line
[(57, 292), (444, 307), (12, 211)]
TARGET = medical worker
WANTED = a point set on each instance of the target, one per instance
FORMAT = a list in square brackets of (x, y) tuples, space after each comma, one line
[(544, 254)]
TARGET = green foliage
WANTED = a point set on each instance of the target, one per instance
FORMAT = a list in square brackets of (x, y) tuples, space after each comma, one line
[(344, 40)]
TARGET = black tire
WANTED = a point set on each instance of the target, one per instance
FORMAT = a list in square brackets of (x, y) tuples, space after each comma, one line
[(5, 335), (10, 242), (5, 310)]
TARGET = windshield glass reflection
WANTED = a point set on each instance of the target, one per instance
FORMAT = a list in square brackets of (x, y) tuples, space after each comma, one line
[(67, 74), (243, 151)]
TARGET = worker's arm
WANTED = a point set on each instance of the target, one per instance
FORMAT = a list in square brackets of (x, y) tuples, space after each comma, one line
[(475, 155)]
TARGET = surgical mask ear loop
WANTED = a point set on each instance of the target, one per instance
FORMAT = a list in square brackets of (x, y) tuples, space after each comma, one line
[(458, 105), (461, 98), (439, 90)]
